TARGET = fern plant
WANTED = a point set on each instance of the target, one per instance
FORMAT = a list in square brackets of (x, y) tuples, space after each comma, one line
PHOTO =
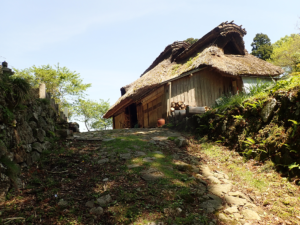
[(12, 169), (295, 125)]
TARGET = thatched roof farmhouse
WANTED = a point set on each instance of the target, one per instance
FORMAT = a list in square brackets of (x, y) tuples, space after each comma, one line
[(197, 75)]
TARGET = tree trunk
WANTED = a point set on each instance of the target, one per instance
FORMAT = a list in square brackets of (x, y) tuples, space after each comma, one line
[(86, 126)]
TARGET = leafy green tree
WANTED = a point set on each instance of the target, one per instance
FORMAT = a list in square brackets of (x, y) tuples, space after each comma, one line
[(261, 46), (286, 53), (191, 40), (64, 85), (91, 113)]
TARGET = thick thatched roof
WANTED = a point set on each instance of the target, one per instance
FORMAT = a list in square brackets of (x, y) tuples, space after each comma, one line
[(201, 54), (227, 36), (172, 50)]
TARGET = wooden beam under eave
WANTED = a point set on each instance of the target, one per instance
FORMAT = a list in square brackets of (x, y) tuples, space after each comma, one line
[(169, 101), (242, 52), (119, 108)]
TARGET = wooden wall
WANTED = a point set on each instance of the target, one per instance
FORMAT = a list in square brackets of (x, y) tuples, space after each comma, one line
[(165, 102), (152, 107), (140, 114), (201, 89), (119, 120)]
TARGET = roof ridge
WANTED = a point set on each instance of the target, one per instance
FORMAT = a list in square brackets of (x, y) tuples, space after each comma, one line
[(222, 29), (173, 50)]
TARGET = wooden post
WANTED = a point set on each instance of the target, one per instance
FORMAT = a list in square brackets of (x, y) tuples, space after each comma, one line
[(169, 100)]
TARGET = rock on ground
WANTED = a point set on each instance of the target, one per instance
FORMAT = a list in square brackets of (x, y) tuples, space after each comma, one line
[(96, 211), (62, 203), (102, 201), (250, 214), (220, 189), (89, 204)]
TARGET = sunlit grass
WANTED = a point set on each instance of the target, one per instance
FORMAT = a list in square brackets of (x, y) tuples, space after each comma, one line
[(277, 194)]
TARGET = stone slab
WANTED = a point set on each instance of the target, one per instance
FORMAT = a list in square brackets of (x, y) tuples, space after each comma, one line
[(235, 201), (220, 189)]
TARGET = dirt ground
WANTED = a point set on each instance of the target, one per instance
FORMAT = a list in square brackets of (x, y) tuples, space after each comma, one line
[(148, 176)]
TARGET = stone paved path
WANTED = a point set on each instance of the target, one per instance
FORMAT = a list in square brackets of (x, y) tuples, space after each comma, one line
[(213, 188)]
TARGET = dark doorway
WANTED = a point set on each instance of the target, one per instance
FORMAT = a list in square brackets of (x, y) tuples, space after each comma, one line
[(133, 115)]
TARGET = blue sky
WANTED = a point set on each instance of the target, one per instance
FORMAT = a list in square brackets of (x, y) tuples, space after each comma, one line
[(110, 43)]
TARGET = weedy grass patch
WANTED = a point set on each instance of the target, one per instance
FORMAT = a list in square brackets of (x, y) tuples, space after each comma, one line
[(276, 194)]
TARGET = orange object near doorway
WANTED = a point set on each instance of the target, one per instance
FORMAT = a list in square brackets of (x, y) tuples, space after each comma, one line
[(161, 122)]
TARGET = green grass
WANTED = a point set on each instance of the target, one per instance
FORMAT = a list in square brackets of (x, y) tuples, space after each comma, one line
[(258, 91), (247, 176), (278, 194)]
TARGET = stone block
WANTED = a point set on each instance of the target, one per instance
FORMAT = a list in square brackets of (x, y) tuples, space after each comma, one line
[(48, 95), (102, 201), (3, 149), (25, 133), (181, 142), (39, 134), (96, 211), (64, 132), (220, 189), (33, 124), (35, 156), (66, 112), (37, 147), (29, 159), (35, 117), (268, 109), (4, 187), (250, 215), (47, 145), (42, 90)]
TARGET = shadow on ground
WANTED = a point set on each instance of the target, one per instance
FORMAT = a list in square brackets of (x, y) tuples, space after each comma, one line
[(127, 178)]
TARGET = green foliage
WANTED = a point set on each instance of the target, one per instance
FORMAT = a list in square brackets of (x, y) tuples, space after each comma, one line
[(261, 46), (14, 89), (287, 84), (289, 148), (250, 141), (12, 170), (286, 53), (293, 165), (238, 117), (260, 87), (190, 62), (240, 99), (295, 125), (7, 114), (254, 104), (64, 85), (91, 113), (168, 125), (172, 138), (44, 101), (230, 101), (191, 41)]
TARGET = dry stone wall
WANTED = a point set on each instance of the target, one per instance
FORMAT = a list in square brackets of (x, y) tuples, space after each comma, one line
[(260, 129), (26, 130)]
